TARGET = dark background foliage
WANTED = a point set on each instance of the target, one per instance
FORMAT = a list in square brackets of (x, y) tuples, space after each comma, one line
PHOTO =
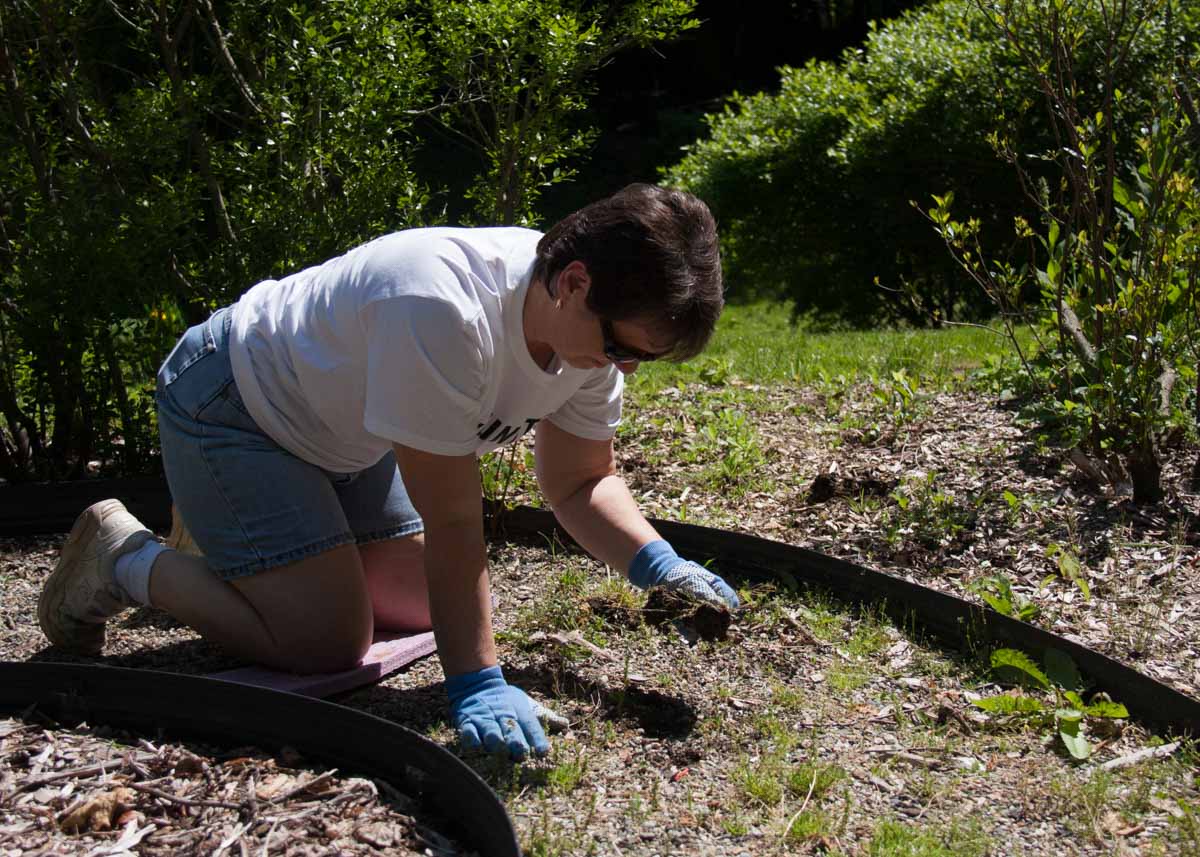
[(156, 159)]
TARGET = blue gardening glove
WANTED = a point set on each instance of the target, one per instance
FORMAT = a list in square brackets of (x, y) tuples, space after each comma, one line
[(489, 712), (657, 564)]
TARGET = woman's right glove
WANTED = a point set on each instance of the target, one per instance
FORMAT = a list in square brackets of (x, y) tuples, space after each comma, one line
[(489, 712), (657, 564)]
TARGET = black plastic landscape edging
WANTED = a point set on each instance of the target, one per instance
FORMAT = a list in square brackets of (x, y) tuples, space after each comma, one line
[(49, 508), (185, 706), (950, 619)]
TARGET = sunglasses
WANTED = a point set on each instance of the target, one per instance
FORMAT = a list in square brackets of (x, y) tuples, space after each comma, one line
[(618, 353)]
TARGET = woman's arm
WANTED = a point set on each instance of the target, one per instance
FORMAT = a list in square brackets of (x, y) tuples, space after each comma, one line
[(486, 710), (579, 479), (594, 505), (445, 491)]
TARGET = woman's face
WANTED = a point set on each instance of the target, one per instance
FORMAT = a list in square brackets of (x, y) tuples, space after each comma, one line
[(585, 340)]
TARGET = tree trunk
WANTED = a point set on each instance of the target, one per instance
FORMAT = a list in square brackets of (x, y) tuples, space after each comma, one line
[(1145, 470)]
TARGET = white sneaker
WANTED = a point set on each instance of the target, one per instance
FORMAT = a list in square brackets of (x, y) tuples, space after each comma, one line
[(81, 593)]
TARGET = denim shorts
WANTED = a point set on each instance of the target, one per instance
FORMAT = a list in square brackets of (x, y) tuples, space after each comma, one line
[(250, 504)]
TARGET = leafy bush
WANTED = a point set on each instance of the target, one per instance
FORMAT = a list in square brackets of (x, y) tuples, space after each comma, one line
[(812, 185), (1112, 268), (156, 162), (158, 159)]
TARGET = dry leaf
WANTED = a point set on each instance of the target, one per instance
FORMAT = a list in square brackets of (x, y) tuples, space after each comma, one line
[(98, 812), (274, 785)]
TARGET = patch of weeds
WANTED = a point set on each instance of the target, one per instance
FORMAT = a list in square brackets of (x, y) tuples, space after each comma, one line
[(1186, 826), (811, 823), (561, 608), (959, 839), (761, 781), (813, 779), (824, 622), (549, 838), (732, 441), (870, 634), (735, 825), (786, 698), (566, 775), (1084, 804), (507, 473), (927, 515), (897, 397), (1058, 703), (844, 677), (997, 591), (777, 734)]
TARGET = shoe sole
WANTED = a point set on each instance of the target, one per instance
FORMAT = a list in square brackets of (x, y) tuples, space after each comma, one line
[(54, 591)]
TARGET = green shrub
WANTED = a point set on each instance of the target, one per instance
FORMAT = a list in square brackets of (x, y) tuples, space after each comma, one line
[(812, 185)]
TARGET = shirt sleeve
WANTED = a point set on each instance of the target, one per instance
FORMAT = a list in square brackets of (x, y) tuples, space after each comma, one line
[(594, 411), (425, 374)]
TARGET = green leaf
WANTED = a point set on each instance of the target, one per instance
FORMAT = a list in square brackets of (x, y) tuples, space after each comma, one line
[(1017, 666), (1061, 670), (1076, 744), (1005, 704), (1114, 710), (1000, 605)]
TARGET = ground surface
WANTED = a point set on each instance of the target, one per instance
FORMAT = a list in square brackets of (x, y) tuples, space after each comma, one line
[(811, 729)]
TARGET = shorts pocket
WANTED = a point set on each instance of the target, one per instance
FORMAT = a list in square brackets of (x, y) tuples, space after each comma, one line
[(197, 370)]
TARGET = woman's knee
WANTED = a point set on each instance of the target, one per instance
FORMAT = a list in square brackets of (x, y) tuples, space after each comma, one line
[(317, 611)]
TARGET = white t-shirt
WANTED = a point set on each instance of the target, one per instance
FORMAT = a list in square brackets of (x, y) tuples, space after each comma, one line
[(414, 338)]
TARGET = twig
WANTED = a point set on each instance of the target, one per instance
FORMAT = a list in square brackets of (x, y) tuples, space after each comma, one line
[(303, 787), (85, 771), (267, 840), (574, 638), (792, 820), (1140, 756), (186, 801)]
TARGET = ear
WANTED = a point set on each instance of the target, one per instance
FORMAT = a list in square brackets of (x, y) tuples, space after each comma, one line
[(574, 281)]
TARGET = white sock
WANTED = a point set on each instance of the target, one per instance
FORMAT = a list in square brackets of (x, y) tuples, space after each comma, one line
[(132, 570)]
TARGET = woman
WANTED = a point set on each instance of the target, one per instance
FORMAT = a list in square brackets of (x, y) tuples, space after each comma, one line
[(320, 439)]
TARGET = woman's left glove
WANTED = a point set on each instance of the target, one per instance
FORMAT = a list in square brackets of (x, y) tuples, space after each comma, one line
[(657, 564), (488, 711)]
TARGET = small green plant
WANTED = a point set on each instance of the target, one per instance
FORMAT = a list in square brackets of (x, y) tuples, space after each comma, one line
[(1014, 506), (735, 825), (1069, 567), (959, 839), (897, 396), (1187, 825), (1059, 704), (568, 774), (997, 591), (730, 438), (927, 514), (507, 472)]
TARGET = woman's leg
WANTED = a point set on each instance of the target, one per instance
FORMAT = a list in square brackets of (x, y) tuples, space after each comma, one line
[(313, 615), (395, 577), (281, 581)]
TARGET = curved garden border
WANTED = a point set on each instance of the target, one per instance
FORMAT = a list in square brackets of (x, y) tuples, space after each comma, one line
[(44, 508), (195, 706), (951, 619)]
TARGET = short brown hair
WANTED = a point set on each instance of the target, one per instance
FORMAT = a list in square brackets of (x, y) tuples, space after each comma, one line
[(652, 254)]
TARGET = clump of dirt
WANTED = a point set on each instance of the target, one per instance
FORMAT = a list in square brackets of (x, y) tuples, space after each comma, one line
[(696, 619), (614, 612)]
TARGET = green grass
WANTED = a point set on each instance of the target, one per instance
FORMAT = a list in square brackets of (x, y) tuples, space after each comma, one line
[(759, 344)]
